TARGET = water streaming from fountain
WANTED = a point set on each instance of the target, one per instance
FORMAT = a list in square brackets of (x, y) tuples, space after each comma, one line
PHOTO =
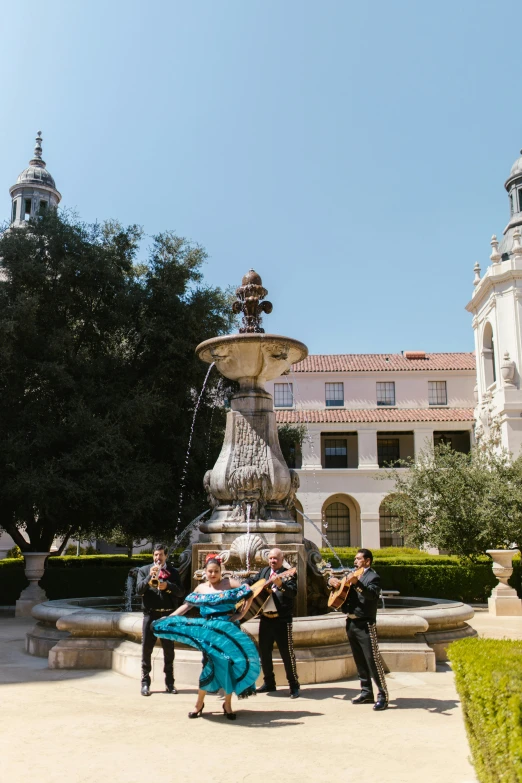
[(185, 466), (248, 510), (189, 528), (129, 592), (323, 536), (310, 440), (218, 389)]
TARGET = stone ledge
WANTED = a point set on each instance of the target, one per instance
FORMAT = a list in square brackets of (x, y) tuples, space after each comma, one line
[(42, 638)]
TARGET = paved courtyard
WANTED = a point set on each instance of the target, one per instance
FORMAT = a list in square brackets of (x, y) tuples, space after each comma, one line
[(92, 726)]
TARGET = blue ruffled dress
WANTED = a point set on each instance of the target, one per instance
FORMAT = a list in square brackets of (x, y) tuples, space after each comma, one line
[(230, 657)]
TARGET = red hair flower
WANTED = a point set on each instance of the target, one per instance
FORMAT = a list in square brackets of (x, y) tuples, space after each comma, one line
[(212, 556)]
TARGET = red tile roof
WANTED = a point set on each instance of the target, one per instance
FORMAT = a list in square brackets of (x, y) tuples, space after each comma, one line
[(385, 362), (329, 416)]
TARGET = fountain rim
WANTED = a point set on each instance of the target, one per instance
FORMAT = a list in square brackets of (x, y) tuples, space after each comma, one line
[(250, 338)]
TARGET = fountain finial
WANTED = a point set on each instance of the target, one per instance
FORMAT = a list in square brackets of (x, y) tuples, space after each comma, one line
[(248, 302)]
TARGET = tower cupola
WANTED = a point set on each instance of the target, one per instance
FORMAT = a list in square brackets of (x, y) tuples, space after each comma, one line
[(34, 190), (513, 186)]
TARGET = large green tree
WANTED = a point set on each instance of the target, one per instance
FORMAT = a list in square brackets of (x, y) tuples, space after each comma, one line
[(461, 503), (99, 381)]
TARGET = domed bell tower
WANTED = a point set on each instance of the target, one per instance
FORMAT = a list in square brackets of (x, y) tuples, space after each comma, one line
[(34, 191), (496, 306)]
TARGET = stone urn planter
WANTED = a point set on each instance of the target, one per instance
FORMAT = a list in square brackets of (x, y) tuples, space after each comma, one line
[(504, 601), (33, 594)]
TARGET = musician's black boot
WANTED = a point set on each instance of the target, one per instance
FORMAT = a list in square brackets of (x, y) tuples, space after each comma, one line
[(364, 698), (266, 688), (170, 688), (295, 692), (381, 703), (145, 690)]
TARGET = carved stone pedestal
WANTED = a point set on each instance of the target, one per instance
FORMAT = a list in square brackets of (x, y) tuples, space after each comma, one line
[(504, 601), (250, 488), (33, 594)]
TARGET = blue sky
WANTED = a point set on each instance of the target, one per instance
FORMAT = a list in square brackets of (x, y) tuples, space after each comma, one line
[(352, 153)]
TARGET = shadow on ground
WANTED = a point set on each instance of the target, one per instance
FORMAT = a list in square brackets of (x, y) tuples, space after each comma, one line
[(441, 706), (271, 719)]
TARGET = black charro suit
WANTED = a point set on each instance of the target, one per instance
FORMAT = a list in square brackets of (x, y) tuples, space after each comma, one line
[(361, 610), (278, 628), (157, 603)]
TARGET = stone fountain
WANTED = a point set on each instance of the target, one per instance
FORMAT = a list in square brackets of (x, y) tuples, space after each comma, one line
[(250, 489), (251, 493)]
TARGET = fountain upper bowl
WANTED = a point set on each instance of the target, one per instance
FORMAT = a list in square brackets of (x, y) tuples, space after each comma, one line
[(252, 359)]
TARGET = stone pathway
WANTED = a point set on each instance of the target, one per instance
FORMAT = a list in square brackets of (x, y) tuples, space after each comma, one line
[(496, 627), (92, 726)]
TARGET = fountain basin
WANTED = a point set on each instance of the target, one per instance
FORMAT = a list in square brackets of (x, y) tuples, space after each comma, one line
[(87, 633), (252, 359)]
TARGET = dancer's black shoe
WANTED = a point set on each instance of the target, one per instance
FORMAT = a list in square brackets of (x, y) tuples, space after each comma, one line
[(229, 715)]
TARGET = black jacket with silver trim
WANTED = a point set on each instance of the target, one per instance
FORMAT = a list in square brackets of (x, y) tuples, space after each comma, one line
[(363, 598)]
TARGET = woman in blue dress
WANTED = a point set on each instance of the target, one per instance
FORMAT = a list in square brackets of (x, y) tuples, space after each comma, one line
[(230, 657)]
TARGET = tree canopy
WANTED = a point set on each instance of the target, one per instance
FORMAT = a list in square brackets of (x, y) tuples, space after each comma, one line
[(461, 503), (99, 380)]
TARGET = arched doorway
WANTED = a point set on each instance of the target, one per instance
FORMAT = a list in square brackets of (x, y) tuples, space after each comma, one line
[(341, 521)]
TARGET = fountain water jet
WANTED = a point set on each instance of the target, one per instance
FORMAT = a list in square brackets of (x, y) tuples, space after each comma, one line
[(189, 447)]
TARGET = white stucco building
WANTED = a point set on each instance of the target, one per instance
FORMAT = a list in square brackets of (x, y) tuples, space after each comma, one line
[(362, 412)]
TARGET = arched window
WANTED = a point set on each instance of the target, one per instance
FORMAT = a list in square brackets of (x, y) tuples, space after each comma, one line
[(387, 534), (488, 353), (337, 524)]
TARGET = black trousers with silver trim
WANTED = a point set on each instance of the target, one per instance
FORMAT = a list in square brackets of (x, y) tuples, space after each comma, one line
[(277, 630), (148, 640), (362, 636)]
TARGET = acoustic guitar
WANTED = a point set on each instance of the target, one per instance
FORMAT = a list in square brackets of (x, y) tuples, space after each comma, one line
[(339, 594), (262, 584)]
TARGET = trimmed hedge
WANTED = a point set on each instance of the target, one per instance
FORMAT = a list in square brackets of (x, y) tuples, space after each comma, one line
[(429, 576), (468, 583), (416, 573), (488, 675), (348, 553), (71, 577)]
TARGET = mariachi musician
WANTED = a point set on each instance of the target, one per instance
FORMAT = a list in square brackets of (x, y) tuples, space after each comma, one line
[(160, 587), (360, 607), (275, 623)]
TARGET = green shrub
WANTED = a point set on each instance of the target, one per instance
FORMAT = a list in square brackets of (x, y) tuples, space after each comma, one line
[(470, 583), (488, 675), (96, 575), (434, 576), (12, 580), (71, 577), (390, 554), (15, 551)]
